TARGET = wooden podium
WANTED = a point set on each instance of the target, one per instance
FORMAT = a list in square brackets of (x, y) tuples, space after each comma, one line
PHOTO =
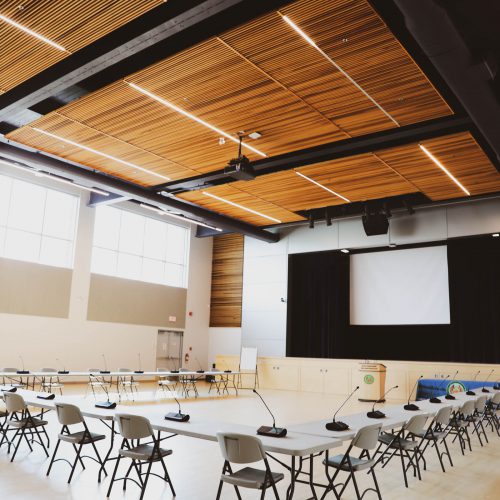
[(372, 381)]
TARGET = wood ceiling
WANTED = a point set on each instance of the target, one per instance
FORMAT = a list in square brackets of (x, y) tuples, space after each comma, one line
[(64, 22), (263, 76)]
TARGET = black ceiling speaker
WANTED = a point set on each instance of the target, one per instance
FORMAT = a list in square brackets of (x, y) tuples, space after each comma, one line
[(375, 224)]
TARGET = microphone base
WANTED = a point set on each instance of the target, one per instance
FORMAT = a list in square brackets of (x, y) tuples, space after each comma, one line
[(435, 400), (200, 371), (449, 396), (375, 414), (104, 372), (228, 371), (138, 371), (48, 396), (23, 372), (484, 390), (411, 407), (337, 426), (265, 430), (11, 389), (174, 371), (470, 393), (106, 405), (496, 387), (177, 417), (63, 372)]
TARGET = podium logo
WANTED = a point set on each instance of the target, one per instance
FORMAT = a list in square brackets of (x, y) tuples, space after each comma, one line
[(454, 387), (369, 379)]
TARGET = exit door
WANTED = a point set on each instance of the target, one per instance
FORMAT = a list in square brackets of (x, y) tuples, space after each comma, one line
[(169, 349)]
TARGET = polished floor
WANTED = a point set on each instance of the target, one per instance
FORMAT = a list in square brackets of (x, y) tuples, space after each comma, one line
[(195, 464)]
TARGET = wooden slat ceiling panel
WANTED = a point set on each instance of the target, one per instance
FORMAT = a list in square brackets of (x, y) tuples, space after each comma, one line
[(459, 153), (70, 23), (228, 192), (260, 77)]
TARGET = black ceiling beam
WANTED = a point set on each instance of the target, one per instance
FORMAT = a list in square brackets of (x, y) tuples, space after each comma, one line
[(86, 176), (157, 34), (331, 151)]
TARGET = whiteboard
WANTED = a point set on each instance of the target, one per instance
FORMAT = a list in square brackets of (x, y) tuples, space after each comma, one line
[(248, 358), (400, 287)]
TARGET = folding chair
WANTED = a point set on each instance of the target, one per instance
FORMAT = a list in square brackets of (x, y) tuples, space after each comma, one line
[(459, 424), (50, 382), (437, 431), (165, 383), (97, 381), (67, 415), (3, 415), (23, 423), (135, 427), (17, 382), (188, 383), (127, 382), (477, 418), (402, 443), (491, 417), (365, 439), (244, 449)]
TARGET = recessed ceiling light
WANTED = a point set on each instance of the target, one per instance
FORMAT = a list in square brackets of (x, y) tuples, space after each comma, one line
[(443, 168), (255, 135), (237, 205), (179, 217), (33, 33), (339, 68), (100, 153), (495, 235), (193, 117), (344, 250), (322, 187)]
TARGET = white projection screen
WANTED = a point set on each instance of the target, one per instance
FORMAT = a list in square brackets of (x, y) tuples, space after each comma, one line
[(400, 287)]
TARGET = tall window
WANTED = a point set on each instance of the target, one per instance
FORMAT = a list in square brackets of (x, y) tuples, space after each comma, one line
[(37, 224), (136, 247)]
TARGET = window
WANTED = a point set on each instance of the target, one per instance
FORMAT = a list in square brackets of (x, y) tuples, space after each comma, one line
[(37, 224), (136, 247)]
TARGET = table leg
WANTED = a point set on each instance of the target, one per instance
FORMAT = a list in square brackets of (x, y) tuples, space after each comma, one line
[(311, 476), (291, 488), (109, 451)]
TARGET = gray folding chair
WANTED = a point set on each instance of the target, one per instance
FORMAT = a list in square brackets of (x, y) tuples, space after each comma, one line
[(404, 444), (244, 449), (98, 382), (13, 382), (477, 418), (3, 415), (134, 428), (127, 382), (50, 382), (491, 417), (435, 433), (366, 439), (25, 425), (188, 383), (460, 422), (67, 415), (166, 383)]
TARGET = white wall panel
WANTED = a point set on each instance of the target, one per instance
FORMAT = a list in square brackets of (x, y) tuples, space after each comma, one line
[(474, 218), (423, 225), (322, 237), (352, 235)]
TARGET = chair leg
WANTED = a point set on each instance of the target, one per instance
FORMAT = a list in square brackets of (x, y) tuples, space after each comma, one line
[(114, 475), (263, 493), (376, 484), (18, 443), (145, 481), (219, 491), (53, 456), (77, 458), (403, 466), (167, 476), (355, 483), (99, 458)]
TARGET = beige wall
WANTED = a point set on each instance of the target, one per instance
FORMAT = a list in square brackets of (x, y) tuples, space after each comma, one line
[(33, 289), (119, 300)]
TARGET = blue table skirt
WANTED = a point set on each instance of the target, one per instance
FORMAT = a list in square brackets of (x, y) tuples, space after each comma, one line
[(433, 387)]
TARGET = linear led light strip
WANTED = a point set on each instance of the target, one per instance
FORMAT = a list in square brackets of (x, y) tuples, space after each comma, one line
[(63, 180), (444, 169), (322, 187), (195, 118), (237, 205), (33, 33), (180, 217), (100, 153), (326, 56)]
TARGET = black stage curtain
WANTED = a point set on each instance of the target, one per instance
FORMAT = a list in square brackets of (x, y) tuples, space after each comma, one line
[(318, 311)]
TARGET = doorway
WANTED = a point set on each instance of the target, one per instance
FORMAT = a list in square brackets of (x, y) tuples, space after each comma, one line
[(169, 349)]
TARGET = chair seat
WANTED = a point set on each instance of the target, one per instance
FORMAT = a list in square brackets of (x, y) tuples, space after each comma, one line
[(435, 435), (251, 478), (459, 424), (52, 384), (357, 463), (25, 422), (81, 437), (393, 442), (143, 452)]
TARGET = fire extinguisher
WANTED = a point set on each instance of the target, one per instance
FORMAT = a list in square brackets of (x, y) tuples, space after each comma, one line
[(186, 358)]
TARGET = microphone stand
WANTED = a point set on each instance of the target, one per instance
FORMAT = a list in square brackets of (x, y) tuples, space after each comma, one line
[(377, 413), (437, 400), (410, 406), (450, 396), (340, 426), (106, 371), (265, 430), (201, 370), (107, 405), (177, 417), (23, 371), (63, 371), (140, 370), (484, 386), (470, 392)]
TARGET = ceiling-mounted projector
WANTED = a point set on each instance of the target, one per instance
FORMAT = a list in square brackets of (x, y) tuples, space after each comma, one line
[(240, 169)]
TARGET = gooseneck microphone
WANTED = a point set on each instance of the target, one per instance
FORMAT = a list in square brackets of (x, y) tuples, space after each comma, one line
[(23, 371), (265, 430), (105, 365), (179, 416), (106, 405), (63, 371), (486, 380), (140, 370), (437, 400), (410, 406), (340, 426), (201, 370), (376, 413), (451, 396), (470, 392)]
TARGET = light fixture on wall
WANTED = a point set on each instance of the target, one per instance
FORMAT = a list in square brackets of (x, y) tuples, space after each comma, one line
[(495, 235), (328, 217), (311, 221), (344, 250)]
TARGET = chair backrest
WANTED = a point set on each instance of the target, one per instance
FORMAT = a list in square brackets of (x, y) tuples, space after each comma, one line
[(14, 402), (49, 370), (133, 426), (416, 424), (496, 399), (68, 414), (240, 448), (480, 403), (443, 415), (9, 370), (367, 437), (124, 370), (467, 409)]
